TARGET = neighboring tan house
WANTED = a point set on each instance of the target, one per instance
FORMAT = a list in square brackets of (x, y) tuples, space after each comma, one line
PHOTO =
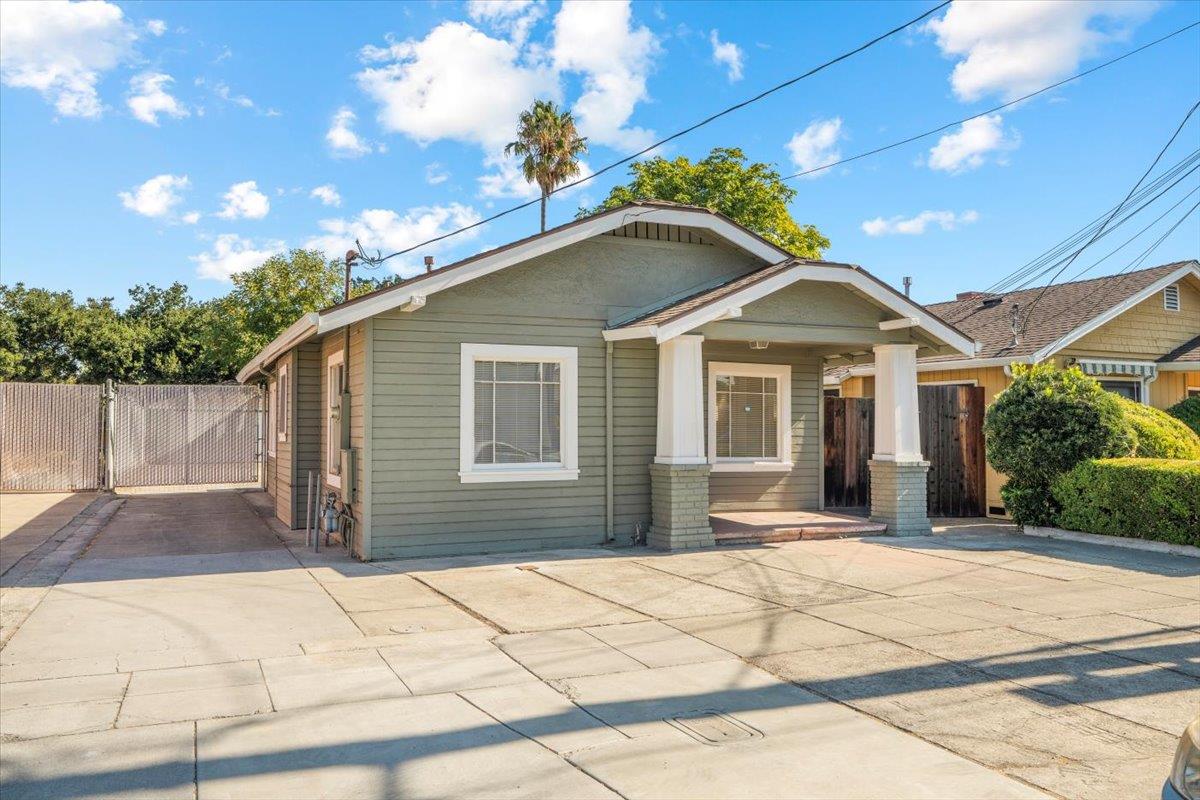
[(628, 371), (1138, 333)]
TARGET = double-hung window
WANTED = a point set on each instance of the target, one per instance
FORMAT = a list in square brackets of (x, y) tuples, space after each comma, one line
[(335, 383), (519, 413), (283, 404), (749, 417)]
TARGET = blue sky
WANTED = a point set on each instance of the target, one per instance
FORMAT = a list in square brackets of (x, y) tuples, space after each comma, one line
[(156, 142)]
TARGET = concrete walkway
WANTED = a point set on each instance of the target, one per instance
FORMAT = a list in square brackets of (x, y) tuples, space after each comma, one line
[(29, 519), (194, 650)]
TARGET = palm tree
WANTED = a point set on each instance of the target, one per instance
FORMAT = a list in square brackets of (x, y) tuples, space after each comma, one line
[(550, 145)]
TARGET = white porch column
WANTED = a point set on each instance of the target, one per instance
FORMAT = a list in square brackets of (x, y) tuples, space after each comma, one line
[(899, 475), (897, 423), (679, 474), (681, 402)]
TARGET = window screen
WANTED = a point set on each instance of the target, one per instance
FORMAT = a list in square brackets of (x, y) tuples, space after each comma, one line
[(517, 412), (747, 417), (1129, 389)]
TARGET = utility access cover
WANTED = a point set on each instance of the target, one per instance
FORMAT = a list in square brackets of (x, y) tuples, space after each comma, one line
[(713, 727)]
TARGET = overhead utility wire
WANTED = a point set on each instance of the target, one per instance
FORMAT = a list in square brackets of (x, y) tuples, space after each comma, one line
[(374, 260), (1053, 257), (1137, 235), (1100, 230), (992, 110)]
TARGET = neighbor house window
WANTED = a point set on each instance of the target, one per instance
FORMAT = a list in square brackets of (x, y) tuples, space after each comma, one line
[(749, 417), (1193, 391), (271, 413), (283, 404), (335, 383), (519, 414), (1128, 389)]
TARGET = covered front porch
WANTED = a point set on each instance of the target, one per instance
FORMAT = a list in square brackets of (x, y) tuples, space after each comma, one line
[(739, 412)]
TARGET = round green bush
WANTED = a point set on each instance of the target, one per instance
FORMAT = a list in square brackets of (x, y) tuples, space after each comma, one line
[(1156, 434), (1042, 425), (1188, 411)]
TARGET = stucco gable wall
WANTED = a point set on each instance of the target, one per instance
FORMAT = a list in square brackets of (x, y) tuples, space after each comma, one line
[(1146, 331)]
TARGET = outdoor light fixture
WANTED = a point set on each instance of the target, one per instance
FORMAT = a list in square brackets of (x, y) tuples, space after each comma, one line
[(758, 344)]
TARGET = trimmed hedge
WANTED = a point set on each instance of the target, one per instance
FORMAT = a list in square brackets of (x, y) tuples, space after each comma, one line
[(1188, 412), (1157, 434), (1145, 498)]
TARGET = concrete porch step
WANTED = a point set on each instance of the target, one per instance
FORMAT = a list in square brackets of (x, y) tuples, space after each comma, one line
[(766, 527)]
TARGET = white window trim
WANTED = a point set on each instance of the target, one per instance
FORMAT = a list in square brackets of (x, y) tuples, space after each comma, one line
[(1143, 389), (272, 401), (565, 470), (332, 430), (284, 404), (1188, 389), (783, 374)]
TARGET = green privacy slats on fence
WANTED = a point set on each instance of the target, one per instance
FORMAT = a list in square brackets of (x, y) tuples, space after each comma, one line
[(159, 435)]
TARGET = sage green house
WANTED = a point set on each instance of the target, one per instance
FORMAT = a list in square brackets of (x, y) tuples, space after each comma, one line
[(625, 373)]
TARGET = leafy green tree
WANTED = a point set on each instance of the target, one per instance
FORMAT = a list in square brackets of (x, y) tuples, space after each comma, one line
[(753, 195), (549, 145), (39, 332)]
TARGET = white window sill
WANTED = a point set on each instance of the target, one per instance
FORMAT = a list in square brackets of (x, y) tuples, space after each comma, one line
[(333, 480), (518, 475), (753, 466)]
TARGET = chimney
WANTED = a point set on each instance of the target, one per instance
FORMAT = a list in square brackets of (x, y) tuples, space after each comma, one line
[(907, 285), (429, 263), (970, 295)]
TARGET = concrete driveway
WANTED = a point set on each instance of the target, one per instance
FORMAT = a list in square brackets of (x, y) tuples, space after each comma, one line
[(190, 652)]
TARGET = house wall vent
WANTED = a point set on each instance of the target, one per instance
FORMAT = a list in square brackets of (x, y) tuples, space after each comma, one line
[(1171, 297)]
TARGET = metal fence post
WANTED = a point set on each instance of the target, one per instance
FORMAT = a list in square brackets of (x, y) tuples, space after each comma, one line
[(109, 399)]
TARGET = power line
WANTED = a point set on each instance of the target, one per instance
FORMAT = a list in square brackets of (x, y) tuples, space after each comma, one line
[(1053, 257), (377, 259), (992, 110), (1100, 230)]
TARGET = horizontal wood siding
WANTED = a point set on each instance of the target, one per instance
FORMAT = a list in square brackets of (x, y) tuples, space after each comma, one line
[(356, 366), (773, 491), (564, 299), (284, 456), (307, 447)]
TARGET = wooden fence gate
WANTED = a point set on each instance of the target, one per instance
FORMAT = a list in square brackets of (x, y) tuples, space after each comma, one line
[(951, 440)]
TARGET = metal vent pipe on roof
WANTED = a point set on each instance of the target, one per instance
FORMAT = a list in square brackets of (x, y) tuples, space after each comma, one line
[(429, 263)]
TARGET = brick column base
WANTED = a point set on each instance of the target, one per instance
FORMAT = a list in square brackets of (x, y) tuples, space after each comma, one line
[(679, 507), (899, 496)]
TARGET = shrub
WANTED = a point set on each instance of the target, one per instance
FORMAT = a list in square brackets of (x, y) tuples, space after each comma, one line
[(1042, 425), (1142, 497), (1156, 434), (1188, 411)]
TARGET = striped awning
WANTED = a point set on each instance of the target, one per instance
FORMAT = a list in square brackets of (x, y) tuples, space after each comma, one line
[(1143, 369)]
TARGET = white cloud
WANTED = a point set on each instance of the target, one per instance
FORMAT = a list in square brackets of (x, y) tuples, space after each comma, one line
[(435, 174), (327, 194), (62, 49), (157, 197), (456, 83), (968, 147), (231, 254), (598, 40), (389, 231), (514, 18), (148, 97), (816, 145), (728, 54), (191, 218), (1014, 47), (915, 226), (343, 141), (157, 27), (244, 201)]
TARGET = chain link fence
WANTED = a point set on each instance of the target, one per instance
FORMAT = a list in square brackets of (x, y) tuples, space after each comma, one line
[(64, 437)]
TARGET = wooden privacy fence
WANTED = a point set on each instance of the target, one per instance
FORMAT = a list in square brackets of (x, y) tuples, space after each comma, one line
[(60, 437), (951, 441)]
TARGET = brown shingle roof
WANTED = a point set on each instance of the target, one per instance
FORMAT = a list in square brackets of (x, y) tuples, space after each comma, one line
[(1187, 352), (1063, 308)]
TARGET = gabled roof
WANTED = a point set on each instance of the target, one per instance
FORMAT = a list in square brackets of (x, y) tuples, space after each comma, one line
[(1066, 312), (713, 303), (412, 292)]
